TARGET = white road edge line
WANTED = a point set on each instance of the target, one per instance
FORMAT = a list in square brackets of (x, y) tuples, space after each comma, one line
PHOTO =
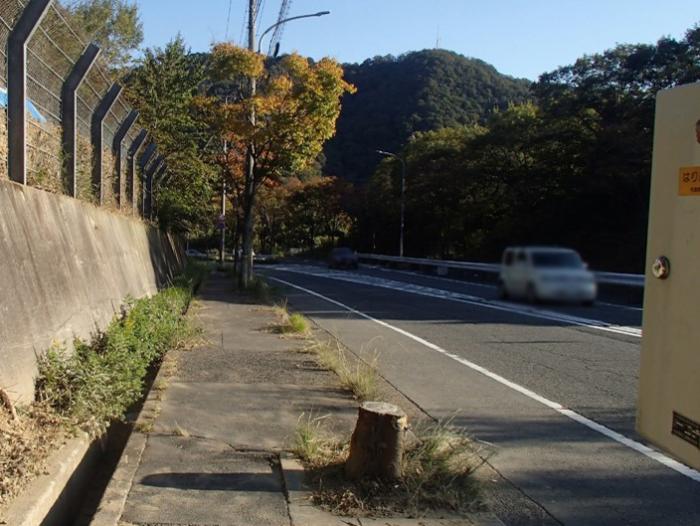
[(474, 300), (573, 415)]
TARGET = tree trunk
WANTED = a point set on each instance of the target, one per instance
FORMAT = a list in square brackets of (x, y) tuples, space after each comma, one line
[(376, 446), (237, 245)]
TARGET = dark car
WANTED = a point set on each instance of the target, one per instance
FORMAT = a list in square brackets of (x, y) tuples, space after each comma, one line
[(343, 257)]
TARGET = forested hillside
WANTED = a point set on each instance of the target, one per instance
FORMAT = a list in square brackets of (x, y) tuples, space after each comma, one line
[(419, 91), (571, 167)]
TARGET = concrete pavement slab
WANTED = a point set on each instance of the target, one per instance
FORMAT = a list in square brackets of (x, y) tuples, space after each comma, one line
[(256, 416), (200, 482)]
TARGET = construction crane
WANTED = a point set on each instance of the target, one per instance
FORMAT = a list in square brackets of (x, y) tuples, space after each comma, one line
[(277, 34)]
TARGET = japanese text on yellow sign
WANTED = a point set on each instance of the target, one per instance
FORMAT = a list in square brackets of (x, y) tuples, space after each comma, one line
[(689, 180)]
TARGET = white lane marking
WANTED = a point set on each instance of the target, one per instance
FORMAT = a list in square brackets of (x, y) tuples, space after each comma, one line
[(474, 284), (573, 415), (619, 306), (438, 278), (468, 299)]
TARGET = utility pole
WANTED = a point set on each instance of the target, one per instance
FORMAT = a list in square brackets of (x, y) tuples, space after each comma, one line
[(249, 190)]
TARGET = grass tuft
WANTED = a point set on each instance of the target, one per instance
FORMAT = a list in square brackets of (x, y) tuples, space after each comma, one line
[(287, 323), (360, 378), (310, 442), (298, 324)]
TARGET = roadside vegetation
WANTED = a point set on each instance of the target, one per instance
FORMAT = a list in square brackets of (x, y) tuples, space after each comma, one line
[(97, 383), (357, 376), (437, 464)]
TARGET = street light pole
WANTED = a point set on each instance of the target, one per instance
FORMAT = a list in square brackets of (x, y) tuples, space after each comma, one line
[(403, 194), (320, 13)]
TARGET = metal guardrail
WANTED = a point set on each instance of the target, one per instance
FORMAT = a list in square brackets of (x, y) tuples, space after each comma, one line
[(612, 278)]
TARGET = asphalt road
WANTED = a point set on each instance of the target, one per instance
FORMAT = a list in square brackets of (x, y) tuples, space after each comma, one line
[(552, 388)]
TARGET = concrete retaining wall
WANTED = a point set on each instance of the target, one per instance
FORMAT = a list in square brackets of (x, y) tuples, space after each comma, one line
[(65, 269)]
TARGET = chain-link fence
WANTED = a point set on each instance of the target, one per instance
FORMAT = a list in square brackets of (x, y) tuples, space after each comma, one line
[(52, 52)]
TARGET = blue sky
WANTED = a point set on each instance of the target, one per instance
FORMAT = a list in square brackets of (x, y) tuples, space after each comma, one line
[(523, 38)]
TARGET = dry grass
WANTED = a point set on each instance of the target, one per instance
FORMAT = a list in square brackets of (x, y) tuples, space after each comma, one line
[(310, 441), (180, 431), (25, 444), (85, 189), (44, 156), (437, 468), (109, 180), (358, 376)]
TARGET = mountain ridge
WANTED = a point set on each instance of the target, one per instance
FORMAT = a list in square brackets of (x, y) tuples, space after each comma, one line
[(416, 91)]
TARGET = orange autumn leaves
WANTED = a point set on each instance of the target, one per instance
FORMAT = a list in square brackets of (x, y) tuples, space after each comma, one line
[(295, 108)]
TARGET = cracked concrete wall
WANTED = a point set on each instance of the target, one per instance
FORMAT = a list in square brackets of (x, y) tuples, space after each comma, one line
[(65, 269)]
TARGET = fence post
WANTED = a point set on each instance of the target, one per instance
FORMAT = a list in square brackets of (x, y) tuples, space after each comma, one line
[(131, 172), (69, 105), (28, 22), (119, 136), (98, 118)]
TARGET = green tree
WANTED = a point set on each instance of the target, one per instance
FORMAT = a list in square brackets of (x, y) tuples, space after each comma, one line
[(162, 87), (113, 24)]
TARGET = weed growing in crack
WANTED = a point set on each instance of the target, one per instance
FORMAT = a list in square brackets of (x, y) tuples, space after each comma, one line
[(360, 377)]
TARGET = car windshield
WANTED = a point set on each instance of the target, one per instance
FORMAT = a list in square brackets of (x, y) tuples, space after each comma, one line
[(557, 259), (342, 252)]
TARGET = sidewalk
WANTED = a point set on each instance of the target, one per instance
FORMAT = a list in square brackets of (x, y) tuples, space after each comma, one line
[(210, 445)]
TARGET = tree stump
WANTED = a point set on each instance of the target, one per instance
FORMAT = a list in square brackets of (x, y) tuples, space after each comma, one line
[(376, 446)]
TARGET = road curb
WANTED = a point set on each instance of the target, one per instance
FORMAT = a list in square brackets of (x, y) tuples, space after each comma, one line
[(113, 501)]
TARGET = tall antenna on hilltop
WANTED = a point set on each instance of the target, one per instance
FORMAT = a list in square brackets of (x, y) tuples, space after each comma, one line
[(437, 38), (279, 30), (228, 19)]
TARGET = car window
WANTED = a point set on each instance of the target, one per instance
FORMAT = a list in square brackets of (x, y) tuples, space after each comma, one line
[(508, 258), (557, 259), (521, 257)]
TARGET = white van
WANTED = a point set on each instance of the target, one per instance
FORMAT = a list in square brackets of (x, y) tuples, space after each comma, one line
[(546, 274)]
